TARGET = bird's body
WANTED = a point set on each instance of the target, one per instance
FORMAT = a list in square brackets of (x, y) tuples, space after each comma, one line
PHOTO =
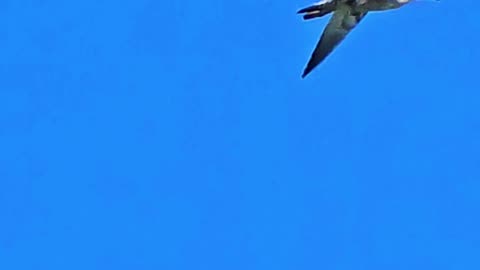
[(346, 15), (378, 5)]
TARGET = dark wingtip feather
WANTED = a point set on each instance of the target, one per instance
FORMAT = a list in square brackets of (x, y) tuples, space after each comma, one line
[(306, 71)]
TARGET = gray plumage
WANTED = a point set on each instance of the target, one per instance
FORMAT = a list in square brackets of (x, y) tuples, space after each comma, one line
[(346, 15)]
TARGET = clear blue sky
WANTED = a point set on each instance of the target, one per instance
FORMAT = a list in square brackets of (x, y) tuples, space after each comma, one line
[(179, 135)]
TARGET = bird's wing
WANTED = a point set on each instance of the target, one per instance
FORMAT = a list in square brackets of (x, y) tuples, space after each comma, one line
[(341, 23)]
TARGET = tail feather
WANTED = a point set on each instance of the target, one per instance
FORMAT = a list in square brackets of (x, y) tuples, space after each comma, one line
[(313, 15), (318, 10), (309, 9)]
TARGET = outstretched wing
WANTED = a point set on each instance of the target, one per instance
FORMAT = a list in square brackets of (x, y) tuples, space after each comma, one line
[(341, 23)]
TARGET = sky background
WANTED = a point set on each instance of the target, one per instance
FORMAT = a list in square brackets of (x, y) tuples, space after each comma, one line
[(179, 135)]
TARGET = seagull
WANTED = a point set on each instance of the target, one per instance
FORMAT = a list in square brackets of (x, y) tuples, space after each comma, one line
[(346, 15)]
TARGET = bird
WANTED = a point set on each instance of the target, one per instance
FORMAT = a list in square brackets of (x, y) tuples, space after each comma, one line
[(347, 14)]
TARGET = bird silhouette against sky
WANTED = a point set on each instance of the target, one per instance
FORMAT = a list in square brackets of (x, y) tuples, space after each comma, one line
[(346, 15)]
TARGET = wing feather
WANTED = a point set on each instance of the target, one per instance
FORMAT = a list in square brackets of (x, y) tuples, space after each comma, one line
[(341, 23)]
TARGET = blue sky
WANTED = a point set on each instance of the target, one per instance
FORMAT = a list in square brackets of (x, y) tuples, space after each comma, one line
[(179, 135)]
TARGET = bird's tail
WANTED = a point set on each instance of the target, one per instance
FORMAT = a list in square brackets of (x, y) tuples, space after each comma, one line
[(318, 9)]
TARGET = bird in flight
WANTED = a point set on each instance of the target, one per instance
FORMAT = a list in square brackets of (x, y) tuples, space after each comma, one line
[(346, 15)]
